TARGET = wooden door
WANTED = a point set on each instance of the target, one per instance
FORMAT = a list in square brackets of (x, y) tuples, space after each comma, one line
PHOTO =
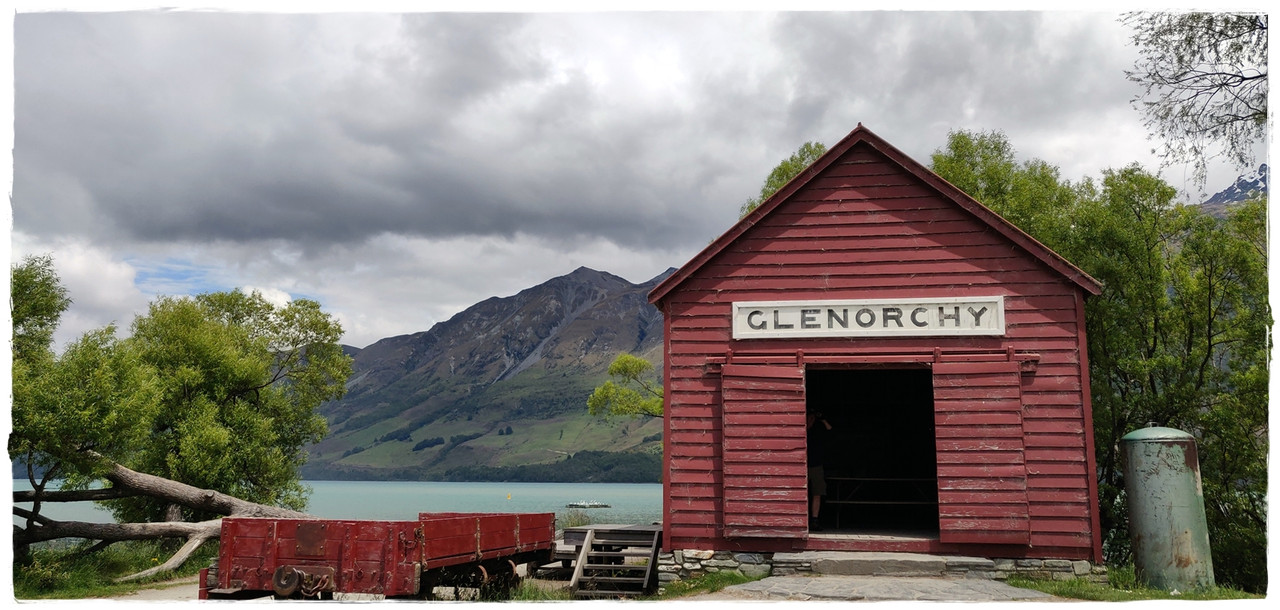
[(765, 490), (982, 472)]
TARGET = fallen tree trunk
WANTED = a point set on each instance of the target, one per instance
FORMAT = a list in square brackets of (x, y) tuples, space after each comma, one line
[(193, 497), (128, 483)]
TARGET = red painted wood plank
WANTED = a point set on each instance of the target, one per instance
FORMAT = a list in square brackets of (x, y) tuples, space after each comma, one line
[(1060, 526), (971, 511), (833, 189), (1053, 426), (765, 508), (793, 374), (875, 266), (1056, 330), (1054, 440), (1061, 540), (991, 433), (956, 232), (685, 424), (1055, 454), (978, 377), (746, 458), (1075, 510), (984, 536), (711, 451), (764, 470), (796, 520), (694, 476), (1057, 483), (978, 444), (1076, 495), (705, 505), (959, 471), (764, 419), (791, 493), (697, 529), (1017, 498), (680, 438), (861, 252), (985, 457), (1056, 468), (1057, 412), (1049, 378), (994, 397), (979, 418), (790, 287), (756, 445), (945, 286), (690, 463), (695, 490), (982, 483)]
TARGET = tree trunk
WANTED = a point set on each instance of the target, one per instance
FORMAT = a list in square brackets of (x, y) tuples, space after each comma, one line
[(125, 483)]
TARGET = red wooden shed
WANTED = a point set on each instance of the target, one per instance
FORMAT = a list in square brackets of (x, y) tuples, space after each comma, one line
[(945, 347)]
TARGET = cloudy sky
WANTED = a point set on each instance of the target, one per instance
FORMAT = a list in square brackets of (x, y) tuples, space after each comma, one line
[(399, 168)]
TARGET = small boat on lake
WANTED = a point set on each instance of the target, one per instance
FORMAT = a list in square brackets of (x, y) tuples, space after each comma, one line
[(586, 504)]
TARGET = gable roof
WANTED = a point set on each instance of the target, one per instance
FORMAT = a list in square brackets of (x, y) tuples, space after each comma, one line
[(862, 135)]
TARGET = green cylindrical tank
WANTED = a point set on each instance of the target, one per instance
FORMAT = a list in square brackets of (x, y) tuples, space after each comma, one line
[(1166, 509)]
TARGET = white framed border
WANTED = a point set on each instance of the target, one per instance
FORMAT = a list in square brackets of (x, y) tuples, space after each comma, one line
[(976, 316)]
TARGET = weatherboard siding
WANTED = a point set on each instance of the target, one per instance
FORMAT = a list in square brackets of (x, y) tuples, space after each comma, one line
[(1013, 461)]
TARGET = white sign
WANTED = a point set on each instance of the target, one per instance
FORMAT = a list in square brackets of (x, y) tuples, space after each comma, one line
[(869, 318)]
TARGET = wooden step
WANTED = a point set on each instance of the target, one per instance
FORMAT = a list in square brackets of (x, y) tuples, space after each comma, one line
[(594, 577), (614, 566)]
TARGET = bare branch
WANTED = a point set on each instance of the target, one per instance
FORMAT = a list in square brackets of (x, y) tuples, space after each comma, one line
[(175, 561), (83, 495)]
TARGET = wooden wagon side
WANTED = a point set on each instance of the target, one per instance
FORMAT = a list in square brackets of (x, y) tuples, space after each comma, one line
[(316, 558)]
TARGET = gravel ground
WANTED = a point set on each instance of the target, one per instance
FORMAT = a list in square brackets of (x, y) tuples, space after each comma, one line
[(183, 589)]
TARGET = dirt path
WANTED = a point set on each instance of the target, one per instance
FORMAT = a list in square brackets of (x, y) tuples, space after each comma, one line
[(182, 589)]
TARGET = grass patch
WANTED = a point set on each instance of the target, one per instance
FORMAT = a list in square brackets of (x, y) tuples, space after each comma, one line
[(61, 571), (1122, 586), (574, 517), (540, 592), (707, 583)]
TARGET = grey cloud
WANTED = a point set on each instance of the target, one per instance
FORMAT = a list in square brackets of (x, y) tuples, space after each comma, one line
[(192, 143)]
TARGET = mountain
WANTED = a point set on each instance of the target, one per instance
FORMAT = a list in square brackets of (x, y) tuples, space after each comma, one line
[(1247, 186), (498, 388)]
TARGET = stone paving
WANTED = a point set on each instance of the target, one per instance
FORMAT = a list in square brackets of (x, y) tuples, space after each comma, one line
[(880, 588)]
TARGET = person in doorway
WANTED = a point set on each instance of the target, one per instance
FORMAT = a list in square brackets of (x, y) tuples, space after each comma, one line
[(816, 428)]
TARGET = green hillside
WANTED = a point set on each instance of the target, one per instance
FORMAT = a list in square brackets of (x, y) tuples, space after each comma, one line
[(438, 405)]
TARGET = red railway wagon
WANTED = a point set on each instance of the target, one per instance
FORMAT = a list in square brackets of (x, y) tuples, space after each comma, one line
[(316, 558)]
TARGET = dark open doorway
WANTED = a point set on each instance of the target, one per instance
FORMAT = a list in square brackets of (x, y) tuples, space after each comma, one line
[(879, 457)]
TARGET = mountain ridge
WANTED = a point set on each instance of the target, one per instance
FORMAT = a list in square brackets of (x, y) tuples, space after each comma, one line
[(525, 363)]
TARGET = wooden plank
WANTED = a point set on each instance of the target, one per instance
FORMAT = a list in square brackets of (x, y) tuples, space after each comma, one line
[(1077, 510), (982, 482), (793, 494), (765, 507), (960, 471)]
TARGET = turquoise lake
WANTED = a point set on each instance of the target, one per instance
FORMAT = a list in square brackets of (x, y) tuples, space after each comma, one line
[(403, 500)]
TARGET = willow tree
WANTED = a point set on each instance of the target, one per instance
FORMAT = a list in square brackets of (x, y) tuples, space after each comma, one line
[(1204, 84), (203, 411)]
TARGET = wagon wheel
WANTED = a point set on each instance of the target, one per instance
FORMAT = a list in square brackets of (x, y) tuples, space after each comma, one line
[(502, 581)]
